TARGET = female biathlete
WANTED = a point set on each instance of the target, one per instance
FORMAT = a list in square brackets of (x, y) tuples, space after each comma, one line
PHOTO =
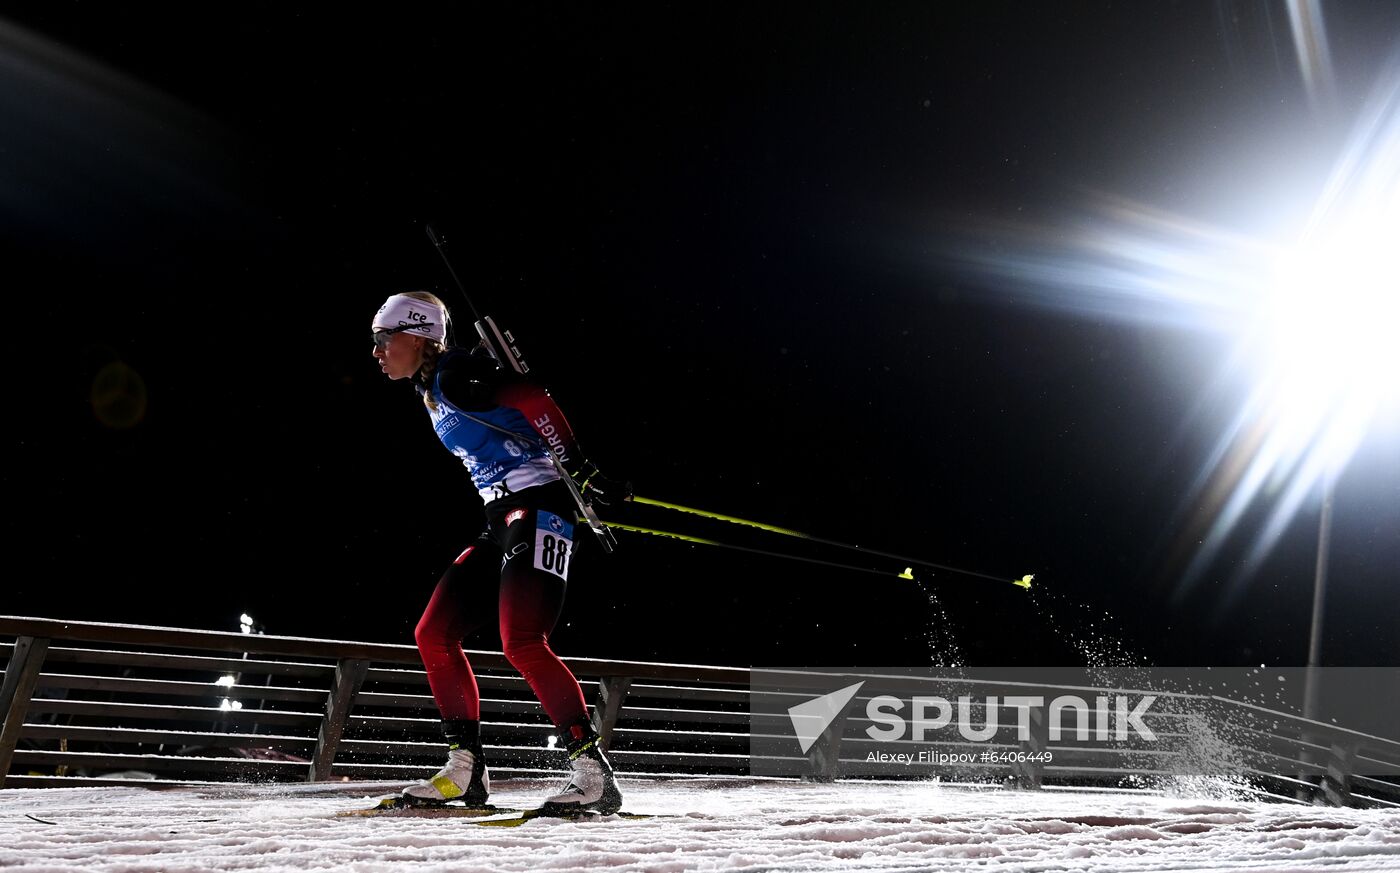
[(502, 427)]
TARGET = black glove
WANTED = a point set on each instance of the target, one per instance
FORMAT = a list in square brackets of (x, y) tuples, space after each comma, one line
[(600, 489)]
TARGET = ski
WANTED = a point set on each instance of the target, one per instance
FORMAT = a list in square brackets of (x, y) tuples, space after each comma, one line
[(486, 814), (517, 818), (396, 807)]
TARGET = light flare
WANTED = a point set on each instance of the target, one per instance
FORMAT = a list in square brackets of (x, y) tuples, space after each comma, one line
[(1313, 322)]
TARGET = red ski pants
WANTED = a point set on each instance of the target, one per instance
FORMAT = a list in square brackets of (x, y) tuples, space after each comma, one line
[(524, 592)]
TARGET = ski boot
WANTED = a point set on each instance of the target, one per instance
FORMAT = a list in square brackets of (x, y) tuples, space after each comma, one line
[(463, 779), (591, 787)]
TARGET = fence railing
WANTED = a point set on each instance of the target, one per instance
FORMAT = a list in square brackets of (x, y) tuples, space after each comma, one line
[(88, 702), (128, 703)]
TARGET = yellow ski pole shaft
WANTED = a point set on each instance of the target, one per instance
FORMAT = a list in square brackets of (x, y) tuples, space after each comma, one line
[(1023, 582), (707, 542), (715, 515)]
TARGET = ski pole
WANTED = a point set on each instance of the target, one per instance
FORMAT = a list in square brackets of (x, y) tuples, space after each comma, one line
[(708, 542), (729, 518), (1023, 582)]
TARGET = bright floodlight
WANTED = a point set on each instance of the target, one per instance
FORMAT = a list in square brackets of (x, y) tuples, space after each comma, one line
[(1332, 345), (1327, 339), (1315, 320)]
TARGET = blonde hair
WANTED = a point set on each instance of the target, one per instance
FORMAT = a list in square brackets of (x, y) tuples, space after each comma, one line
[(432, 349)]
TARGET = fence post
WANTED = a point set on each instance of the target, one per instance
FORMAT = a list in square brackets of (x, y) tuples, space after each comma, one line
[(21, 677), (825, 754), (1027, 770), (612, 690), (1336, 780), (349, 676)]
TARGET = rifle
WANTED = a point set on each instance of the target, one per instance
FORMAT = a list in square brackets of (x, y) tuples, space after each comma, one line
[(502, 347)]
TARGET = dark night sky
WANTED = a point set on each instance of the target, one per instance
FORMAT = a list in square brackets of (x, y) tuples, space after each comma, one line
[(714, 230)]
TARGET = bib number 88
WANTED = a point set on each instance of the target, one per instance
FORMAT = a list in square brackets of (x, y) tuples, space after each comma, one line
[(552, 555), (554, 545)]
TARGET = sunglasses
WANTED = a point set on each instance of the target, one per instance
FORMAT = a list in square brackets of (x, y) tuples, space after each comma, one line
[(382, 336)]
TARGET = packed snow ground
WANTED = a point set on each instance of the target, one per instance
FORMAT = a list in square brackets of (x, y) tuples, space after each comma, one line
[(734, 825)]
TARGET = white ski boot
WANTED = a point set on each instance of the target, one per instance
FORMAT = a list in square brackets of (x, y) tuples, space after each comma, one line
[(462, 780), (591, 785)]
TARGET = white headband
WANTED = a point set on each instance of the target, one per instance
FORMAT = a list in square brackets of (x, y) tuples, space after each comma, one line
[(429, 319)]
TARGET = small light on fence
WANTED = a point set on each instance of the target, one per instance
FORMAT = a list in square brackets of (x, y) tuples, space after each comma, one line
[(226, 681)]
